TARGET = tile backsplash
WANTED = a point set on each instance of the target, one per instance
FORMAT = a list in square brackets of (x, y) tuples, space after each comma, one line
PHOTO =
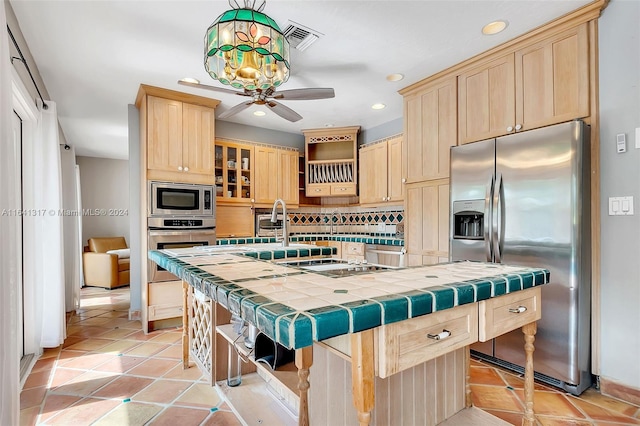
[(346, 220)]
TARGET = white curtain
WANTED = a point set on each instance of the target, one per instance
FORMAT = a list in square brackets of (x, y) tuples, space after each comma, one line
[(10, 243), (48, 259)]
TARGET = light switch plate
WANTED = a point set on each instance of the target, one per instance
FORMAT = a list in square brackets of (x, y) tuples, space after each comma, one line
[(621, 143), (620, 206)]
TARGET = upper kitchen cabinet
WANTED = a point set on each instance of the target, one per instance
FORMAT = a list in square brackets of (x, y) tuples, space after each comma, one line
[(486, 100), (178, 133), (276, 176), (234, 171), (430, 129), (381, 172), (331, 161), (541, 83), (552, 83)]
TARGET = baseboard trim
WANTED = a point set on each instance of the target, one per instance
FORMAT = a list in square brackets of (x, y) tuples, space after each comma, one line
[(618, 390), (135, 315)]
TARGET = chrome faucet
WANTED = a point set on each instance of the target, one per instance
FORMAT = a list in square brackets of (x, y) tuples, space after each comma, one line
[(334, 223), (274, 219)]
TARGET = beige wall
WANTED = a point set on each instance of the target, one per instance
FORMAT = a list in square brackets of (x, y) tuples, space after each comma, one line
[(104, 184)]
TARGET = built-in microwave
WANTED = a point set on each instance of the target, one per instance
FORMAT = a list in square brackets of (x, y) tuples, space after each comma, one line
[(180, 199)]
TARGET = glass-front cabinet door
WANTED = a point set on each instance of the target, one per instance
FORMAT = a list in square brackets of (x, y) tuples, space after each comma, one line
[(233, 172)]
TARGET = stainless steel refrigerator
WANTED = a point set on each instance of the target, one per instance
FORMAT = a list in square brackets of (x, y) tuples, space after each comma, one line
[(523, 199)]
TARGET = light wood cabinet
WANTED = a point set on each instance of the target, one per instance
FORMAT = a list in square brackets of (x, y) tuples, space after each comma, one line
[(544, 83), (179, 140), (381, 172), (427, 222), (430, 130), (234, 221), (331, 161), (234, 172), (276, 176)]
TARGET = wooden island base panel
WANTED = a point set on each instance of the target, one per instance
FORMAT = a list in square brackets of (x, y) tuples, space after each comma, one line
[(402, 335)]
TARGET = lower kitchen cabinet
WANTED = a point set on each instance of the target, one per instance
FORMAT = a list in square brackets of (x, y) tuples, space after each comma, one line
[(427, 222), (234, 221), (164, 303)]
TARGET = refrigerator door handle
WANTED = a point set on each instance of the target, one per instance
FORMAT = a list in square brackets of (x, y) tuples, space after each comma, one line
[(488, 200), (497, 219)]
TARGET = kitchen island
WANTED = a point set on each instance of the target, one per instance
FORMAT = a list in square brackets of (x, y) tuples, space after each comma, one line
[(382, 322)]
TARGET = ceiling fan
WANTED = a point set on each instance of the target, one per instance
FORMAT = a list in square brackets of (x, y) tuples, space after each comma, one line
[(268, 97)]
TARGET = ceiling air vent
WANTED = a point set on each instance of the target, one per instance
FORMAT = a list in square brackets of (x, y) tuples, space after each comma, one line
[(299, 36)]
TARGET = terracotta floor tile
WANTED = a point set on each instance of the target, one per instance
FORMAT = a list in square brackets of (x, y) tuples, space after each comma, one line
[(147, 349), (593, 396), (485, 376), (507, 416), (90, 344), (32, 397), (117, 333), (173, 352), (493, 397), (120, 364), (87, 360), (557, 421), (51, 352), (84, 384), (29, 416), (130, 413), (125, 323), (200, 395), (96, 321), (86, 331), (139, 335), (72, 340), (123, 387), (114, 314), (66, 355), (180, 416), (119, 347), (54, 404), (517, 382), (192, 373), (153, 367), (37, 379), (63, 375), (602, 414), (44, 364), (84, 412), (222, 418), (162, 391), (552, 404), (170, 338)]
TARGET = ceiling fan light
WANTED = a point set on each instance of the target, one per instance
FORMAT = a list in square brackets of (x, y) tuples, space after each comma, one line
[(259, 113), (246, 49)]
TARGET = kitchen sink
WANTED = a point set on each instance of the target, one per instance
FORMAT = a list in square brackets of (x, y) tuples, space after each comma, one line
[(336, 267)]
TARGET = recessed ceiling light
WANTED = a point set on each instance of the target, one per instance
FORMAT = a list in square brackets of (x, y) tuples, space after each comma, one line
[(494, 27), (190, 80), (395, 77), (329, 125), (378, 106), (259, 113)]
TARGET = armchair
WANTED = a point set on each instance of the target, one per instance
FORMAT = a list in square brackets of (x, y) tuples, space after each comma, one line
[(106, 264)]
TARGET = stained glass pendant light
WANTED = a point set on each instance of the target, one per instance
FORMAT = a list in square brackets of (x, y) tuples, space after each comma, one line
[(246, 49)]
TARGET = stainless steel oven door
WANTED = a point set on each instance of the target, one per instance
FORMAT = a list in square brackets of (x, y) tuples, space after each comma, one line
[(168, 239), (266, 228)]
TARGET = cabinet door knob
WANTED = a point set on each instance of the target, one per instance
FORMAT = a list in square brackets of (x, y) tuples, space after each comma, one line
[(404, 180), (186, 169), (318, 190), (510, 129), (253, 200), (180, 168), (384, 198), (518, 127)]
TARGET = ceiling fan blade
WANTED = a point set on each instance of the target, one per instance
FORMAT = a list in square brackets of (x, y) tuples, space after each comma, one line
[(213, 88), (284, 111), (236, 109), (305, 94)]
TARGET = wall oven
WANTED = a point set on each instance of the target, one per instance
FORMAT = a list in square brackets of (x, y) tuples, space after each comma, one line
[(180, 199), (266, 228), (160, 239)]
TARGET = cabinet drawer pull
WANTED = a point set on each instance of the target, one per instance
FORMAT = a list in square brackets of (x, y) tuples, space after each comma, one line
[(440, 336), (318, 189), (520, 309)]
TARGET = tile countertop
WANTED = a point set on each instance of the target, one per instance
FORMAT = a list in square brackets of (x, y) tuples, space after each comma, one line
[(296, 307), (382, 239)]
